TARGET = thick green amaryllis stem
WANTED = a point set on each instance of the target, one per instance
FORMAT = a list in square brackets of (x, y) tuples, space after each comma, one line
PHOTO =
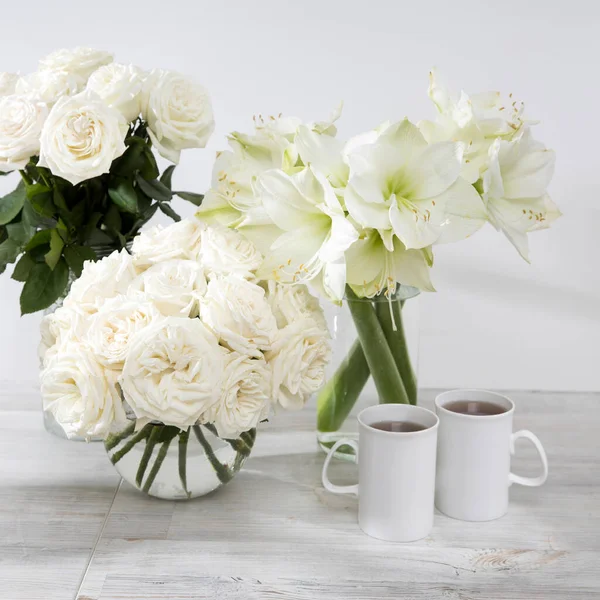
[(378, 355), (338, 397), (397, 343)]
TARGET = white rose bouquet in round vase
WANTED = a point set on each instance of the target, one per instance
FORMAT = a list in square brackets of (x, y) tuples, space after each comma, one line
[(175, 355), (359, 219)]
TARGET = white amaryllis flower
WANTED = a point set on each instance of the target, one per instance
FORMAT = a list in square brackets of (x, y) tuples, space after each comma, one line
[(238, 312), (173, 371), (298, 360), (372, 268), (112, 328), (245, 396), (119, 86), (402, 186), (80, 394), (173, 286), (178, 112), (81, 137), (79, 61), (49, 86), (8, 83), (100, 280), (224, 251), (292, 302), (21, 122), (474, 120), (179, 240), (62, 326), (514, 188), (316, 230)]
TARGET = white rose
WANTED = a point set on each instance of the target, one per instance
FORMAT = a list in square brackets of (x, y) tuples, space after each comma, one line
[(100, 280), (174, 286), (8, 82), (119, 86), (80, 61), (157, 244), (57, 329), (49, 86), (239, 313), (21, 122), (178, 112), (114, 325), (80, 394), (225, 251), (172, 372), (298, 360), (245, 397), (81, 137), (292, 302)]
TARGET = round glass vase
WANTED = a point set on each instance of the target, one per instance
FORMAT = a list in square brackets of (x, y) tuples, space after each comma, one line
[(50, 424), (174, 464), (374, 361)]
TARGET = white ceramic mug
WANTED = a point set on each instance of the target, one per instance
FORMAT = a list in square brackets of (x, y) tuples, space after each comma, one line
[(473, 458), (396, 473)]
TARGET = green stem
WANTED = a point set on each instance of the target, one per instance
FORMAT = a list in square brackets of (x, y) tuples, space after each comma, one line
[(388, 315), (138, 437), (377, 352), (160, 457), (114, 439), (220, 469), (184, 437), (341, 392), (150, 443), (237, 444)]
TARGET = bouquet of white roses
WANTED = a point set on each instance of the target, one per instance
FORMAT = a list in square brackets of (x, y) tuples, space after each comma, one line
[(360, 219), (182, 336), (80, 130)]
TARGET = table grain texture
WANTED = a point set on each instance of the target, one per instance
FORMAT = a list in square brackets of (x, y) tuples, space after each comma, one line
[(71, 530)]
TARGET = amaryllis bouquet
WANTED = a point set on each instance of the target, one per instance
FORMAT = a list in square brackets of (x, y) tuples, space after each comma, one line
[(179, 338), (81, 131)]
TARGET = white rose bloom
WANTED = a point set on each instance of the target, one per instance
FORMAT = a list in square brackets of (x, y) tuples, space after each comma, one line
[(114, 325), (49, 86), (157, 244), (224, 251), (57, 329), (21, 122), (178, 112), (292, 302), (80, 394), (100, 280), (8, 82), (245, 399), (172, 373), (298, 360), (119, 86), (174, 286), (81, 137), (238, 312), (80, 61)]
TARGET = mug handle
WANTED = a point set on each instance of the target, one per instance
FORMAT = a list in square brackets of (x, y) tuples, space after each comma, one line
[(529, 481), (331, 487)]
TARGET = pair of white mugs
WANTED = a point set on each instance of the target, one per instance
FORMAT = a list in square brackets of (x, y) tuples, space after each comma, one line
[(398, 479)]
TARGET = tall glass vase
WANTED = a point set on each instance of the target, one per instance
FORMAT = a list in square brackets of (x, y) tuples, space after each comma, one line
[(374, 361)]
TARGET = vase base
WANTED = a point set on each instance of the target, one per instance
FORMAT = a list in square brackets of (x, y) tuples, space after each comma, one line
[(327, 439)]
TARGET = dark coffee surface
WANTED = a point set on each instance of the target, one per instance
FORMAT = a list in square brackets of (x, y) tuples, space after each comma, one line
[(398, 426), (476, 408)]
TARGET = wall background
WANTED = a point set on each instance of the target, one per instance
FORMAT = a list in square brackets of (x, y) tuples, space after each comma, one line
[(495, 321)]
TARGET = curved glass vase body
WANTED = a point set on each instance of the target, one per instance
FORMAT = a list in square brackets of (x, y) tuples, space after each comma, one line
[(173, 464), (375, 354)]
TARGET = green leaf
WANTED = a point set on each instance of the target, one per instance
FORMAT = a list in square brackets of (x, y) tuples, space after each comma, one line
[(76, 256), (191, 197), (12, 203), (56, 246), (36, 189), (44, 204), (112, 219), (44, 286), (166, 208), (41, 237), (149, 169), (123, 195), (154, 189), (33, 219), (23, 268), (167, 176), (9, 250), (131, 160)]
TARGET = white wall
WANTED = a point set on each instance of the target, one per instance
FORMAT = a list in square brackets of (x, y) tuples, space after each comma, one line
[(495, 321)]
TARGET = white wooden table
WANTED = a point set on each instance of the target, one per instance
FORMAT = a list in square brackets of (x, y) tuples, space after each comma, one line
[(70, 530)]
